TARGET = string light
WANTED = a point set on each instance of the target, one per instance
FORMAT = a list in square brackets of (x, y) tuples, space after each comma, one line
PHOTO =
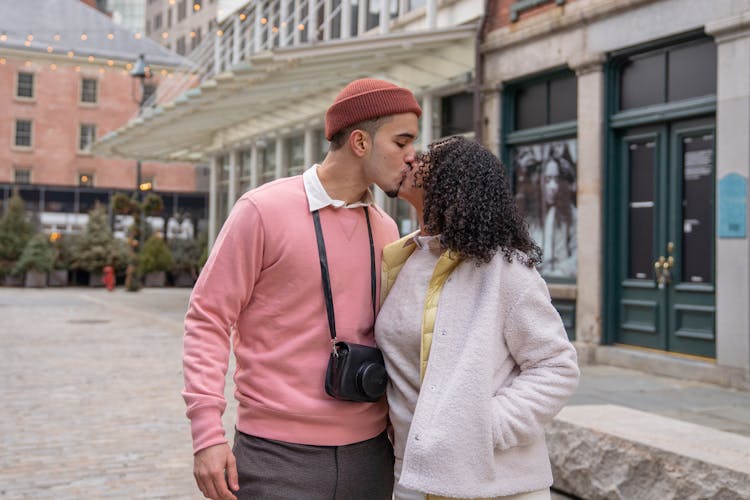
[(101, 70), (78, 68), (275, 29), (283, 24), (71, 53), (29, 37), (243, 17), (56, 37), (196, 7), (263, 20), (110, 62), (50, 49), (219, 32), (84, 37), (165, 35), (2, 60), (192, 34), (4, 37), (129, 66), (110, 36), (163, 72), (27, 43), (91, 58), (53, 67), (137, 36), (27, 64), (301, 27)]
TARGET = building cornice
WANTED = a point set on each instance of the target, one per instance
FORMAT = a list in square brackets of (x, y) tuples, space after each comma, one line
[(553, 21)]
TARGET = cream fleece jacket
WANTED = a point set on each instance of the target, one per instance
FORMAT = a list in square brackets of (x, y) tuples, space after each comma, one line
[(500, 367)]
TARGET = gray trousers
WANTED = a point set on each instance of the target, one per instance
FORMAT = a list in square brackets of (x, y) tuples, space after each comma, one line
[(271, 469)]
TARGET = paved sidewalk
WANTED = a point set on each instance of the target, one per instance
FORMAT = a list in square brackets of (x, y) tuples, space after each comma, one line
[(90, 382)]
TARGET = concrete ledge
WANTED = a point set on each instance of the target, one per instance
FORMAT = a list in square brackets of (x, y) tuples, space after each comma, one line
[(613, 452), (671, 366)]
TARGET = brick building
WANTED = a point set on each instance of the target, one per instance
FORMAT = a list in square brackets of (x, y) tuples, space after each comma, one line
[(63, 85)]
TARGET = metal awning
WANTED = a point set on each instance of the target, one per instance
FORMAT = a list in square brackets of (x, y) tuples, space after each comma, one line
[(287, 87)]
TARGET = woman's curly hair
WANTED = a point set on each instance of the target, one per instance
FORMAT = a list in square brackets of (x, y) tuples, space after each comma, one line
[(468, 202)]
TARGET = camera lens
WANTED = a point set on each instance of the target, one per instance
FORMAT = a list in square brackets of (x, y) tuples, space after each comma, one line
[(372, 379)]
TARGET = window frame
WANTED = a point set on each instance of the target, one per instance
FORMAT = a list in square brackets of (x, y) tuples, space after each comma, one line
[(557, 132), (14, 130), (27, 171), (89, 183), (80, 138), (93, 103), (17, 86)]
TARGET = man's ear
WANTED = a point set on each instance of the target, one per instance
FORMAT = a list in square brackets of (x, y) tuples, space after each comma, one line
[(359, 142)]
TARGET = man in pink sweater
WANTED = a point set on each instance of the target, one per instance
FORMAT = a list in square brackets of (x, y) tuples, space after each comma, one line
[(261, 291)]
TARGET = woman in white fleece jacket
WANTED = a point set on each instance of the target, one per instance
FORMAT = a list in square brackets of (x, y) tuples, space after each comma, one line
[(477, 356)]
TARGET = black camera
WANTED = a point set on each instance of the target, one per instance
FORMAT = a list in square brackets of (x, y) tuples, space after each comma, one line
[(356, 373)]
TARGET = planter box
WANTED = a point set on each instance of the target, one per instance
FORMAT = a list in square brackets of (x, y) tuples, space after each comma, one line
[(184, 280), (58, 277), (35, 279), (158, 278), (13, 280), (95, 279)]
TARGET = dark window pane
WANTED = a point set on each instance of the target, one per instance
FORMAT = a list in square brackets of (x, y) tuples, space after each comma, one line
[(641, 210), (642, 81), (457, 114), (59, 201), (692, 71), (25, 85), (697, 208), (563, 99), (87, 200), (531, 106)]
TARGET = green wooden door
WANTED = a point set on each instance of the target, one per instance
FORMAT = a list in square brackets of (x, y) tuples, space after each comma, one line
[(665, 238)]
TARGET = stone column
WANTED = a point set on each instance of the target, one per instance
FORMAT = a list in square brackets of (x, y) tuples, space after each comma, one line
[(235, 160), (309, 148), (732, 156), (254, 166), (213, 193), (589, 278), (426, 120), (280, 160)]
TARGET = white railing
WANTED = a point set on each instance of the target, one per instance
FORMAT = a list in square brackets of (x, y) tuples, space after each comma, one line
[(266, 25)]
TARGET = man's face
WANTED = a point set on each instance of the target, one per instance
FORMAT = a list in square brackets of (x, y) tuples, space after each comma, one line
[(392, 152)]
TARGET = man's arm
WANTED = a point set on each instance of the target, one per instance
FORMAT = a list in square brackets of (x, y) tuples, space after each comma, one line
[(223, 288)]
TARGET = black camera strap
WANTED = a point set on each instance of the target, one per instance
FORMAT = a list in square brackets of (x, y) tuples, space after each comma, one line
[(326, 279)]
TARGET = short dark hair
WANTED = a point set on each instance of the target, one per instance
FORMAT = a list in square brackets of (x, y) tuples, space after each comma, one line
[(370, 126), (469, 203)]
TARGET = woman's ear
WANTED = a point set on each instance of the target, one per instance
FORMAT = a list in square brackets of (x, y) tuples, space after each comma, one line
[(359, 142)]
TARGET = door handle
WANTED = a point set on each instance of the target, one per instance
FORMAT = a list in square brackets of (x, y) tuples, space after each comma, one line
[(662, 268)]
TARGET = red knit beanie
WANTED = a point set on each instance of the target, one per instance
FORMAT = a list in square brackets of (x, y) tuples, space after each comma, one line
[(367, 99)]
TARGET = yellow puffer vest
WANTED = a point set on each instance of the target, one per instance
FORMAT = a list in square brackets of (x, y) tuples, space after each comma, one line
[(395, 256)]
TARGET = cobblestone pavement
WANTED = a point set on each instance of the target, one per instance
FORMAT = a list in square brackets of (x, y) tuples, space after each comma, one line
[(90, 383)]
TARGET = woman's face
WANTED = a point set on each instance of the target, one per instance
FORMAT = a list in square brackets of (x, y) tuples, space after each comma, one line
[(411, 188), (551, 182)]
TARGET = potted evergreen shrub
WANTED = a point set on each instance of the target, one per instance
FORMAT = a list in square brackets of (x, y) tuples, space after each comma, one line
[(96, 247), (186, 254), (63, 248), (15, 232), (154, 261), (35, 261)]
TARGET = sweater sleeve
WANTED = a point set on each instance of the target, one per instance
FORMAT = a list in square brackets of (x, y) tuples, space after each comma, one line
[(223, 288), (546, 362)]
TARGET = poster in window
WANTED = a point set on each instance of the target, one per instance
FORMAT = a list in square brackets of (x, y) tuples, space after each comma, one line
[(544, 180)]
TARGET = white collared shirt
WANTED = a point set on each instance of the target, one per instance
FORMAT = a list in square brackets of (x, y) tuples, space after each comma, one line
[(318, 198)]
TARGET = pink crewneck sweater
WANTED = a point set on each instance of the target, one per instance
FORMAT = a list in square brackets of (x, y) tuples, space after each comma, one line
[(263, 277)]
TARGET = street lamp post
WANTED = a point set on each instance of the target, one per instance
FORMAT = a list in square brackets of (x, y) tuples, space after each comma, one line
[(139, 73)]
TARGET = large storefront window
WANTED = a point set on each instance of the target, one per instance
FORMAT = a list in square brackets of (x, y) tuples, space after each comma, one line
[(541, 151)]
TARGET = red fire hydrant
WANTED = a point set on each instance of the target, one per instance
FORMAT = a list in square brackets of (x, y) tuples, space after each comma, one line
[(109, 277)]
